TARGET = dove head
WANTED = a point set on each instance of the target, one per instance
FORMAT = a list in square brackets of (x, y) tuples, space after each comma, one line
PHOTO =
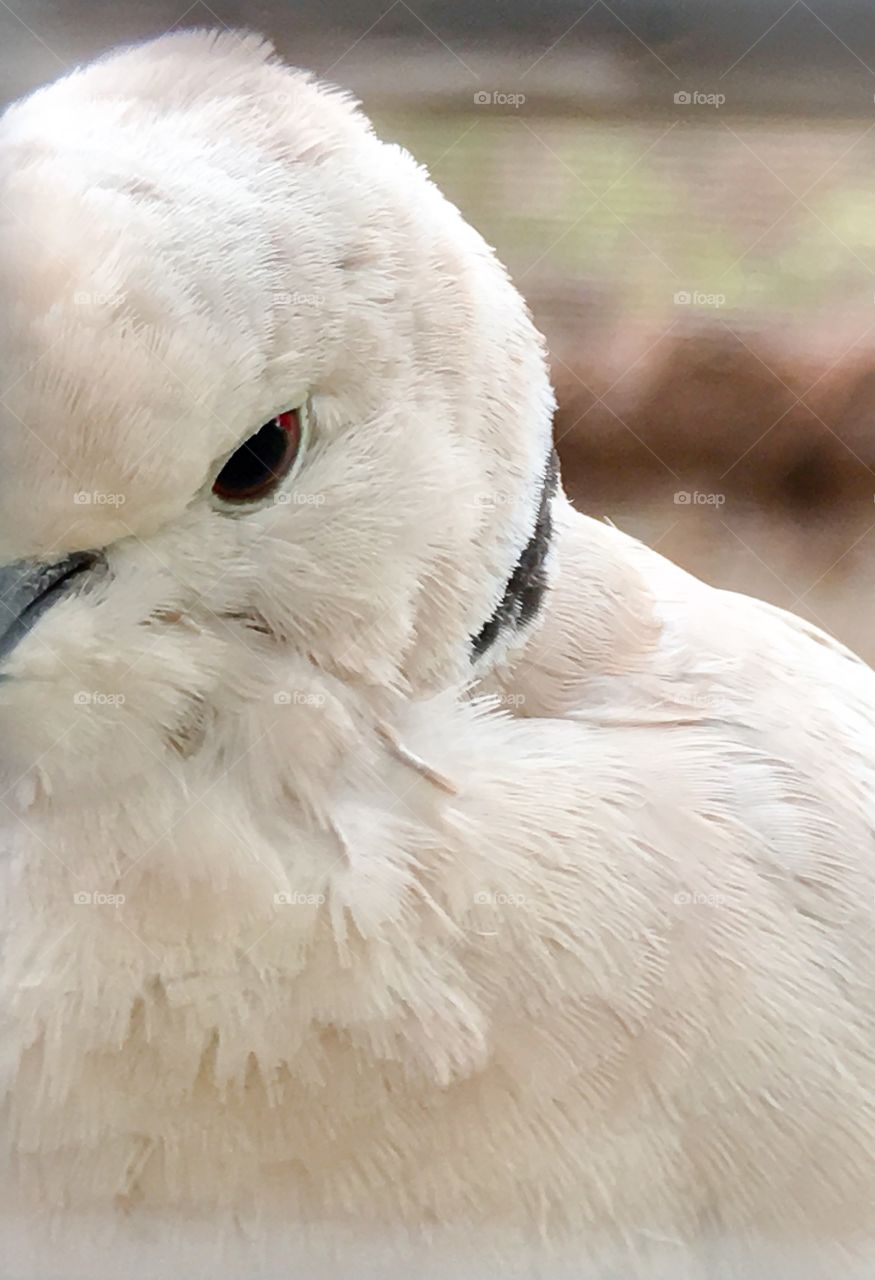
[(274, 424)]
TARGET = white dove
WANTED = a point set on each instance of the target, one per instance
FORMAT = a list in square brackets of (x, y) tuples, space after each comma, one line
[(401, 870)]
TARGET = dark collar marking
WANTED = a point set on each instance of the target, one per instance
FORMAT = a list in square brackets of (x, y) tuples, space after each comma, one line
[(526, 586)]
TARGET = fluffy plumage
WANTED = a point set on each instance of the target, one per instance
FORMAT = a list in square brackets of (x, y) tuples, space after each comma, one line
[(558, 957)]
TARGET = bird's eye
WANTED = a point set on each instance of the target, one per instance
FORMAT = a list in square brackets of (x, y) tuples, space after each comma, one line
[(262, 461)]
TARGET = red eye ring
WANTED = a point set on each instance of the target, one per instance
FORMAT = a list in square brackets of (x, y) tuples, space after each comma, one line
[(262, 461)]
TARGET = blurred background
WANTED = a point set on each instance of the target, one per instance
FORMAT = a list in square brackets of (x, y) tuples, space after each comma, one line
[(685, 192)]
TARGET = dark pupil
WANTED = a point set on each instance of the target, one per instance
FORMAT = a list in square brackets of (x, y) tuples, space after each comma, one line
[(256, 464)]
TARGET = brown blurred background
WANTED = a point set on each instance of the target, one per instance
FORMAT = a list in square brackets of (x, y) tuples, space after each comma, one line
[(685, 193)]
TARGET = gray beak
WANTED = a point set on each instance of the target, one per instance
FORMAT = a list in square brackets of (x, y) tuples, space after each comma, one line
[(30, 587)]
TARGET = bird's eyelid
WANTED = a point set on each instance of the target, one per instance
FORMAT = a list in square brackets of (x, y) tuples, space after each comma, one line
[(302, 409)]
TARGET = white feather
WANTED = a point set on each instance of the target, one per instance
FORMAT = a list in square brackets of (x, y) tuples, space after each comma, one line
[(599, 1003)]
